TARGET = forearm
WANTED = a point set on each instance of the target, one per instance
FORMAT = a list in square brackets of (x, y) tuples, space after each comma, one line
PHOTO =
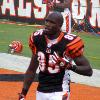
[(83, 70), (28, 79), (83, 66), (29, 75)]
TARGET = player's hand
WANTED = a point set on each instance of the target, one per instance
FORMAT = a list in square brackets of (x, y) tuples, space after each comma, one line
[(59, 61), (64, 62), (21, 96)]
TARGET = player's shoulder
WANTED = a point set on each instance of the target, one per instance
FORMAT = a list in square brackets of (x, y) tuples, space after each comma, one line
[(75, 46), (37, 33), (72, 38), (36, 36), (69, 37)]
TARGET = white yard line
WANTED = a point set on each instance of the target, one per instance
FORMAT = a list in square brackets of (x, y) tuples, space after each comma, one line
[(20, 64)]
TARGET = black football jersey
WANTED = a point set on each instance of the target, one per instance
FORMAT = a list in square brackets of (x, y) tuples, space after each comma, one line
[(50, 77)]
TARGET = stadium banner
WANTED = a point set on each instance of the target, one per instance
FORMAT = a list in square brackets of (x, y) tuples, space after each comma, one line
[(85, 13)]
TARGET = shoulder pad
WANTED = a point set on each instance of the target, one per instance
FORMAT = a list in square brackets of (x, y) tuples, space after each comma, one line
[(70, 37), (75, 47), (38, 32)]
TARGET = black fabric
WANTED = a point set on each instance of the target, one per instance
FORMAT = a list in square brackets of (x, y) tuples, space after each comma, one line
[(50, 82)]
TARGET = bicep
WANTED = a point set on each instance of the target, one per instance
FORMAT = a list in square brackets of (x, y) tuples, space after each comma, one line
[(81, 61), (33, 63)]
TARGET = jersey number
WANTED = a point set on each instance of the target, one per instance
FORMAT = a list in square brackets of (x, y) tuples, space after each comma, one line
[(69, 36), (42, 64)]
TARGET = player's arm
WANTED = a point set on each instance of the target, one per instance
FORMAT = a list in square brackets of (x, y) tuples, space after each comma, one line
[(83, 66), (30, 73), (29, 76), (73, 58), (75, 50), (79, 64)]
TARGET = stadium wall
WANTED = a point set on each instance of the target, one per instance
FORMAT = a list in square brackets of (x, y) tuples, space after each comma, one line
[(85, 13)]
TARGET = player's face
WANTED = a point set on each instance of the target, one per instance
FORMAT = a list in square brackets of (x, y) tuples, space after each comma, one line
[(51, 27)]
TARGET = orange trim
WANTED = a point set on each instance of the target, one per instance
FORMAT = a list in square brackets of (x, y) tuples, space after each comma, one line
[(57, 39), (67, 23), (31, 44), (75, 41), (60, 36), (78, 45)]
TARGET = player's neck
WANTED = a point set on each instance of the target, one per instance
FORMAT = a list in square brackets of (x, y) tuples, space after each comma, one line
[(54, 36), (54, 41)]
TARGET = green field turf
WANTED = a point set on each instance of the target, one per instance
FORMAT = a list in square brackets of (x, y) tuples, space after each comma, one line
[(10, 32)]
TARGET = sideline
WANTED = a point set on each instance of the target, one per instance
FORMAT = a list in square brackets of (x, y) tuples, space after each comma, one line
[(21, 24), (20, 64)]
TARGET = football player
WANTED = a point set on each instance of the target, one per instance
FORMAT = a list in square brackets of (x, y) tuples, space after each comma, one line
[(54, 52), (62, 6)]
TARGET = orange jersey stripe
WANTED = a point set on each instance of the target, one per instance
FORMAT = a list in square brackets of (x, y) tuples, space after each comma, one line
[(32, 45), (77, 45), (58, 39), (74, 41)]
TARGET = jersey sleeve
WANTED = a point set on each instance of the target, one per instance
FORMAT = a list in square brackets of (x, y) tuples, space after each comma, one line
[(75, 48), (32, 43)]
